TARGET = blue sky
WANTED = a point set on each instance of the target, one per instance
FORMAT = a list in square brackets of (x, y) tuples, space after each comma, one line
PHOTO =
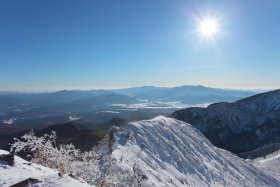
[(89, 44)]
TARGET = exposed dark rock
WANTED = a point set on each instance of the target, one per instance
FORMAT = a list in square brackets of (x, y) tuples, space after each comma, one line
[(72, 176), (76, 178), (261, 152), (9, 158), (26, 183), (111, 138)]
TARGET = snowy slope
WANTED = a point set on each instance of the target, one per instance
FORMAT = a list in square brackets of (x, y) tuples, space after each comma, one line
[(10, 175), (271, 165), (168, 152)]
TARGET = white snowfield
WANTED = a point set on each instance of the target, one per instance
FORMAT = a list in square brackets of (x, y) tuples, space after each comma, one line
[(10, 175), (168, 152)]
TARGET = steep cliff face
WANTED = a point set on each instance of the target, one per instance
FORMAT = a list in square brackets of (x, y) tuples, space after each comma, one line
[(240, 126), (168, 152)]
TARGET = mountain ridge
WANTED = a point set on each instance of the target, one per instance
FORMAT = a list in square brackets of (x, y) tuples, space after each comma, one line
[(168, 152), (239, 126)]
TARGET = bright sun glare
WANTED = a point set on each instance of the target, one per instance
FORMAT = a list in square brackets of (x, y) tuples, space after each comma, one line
[(208, 28)]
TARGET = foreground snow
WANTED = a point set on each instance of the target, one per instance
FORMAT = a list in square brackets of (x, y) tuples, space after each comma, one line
[(22, 170), (168, 152)]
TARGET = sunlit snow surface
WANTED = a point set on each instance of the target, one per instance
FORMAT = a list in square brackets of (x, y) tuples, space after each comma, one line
[(9, 121), (168, 152), (270, 164), (73, 118)]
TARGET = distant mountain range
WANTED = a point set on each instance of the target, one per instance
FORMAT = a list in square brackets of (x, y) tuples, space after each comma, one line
[(26, 110), (239, 126), (184, 94)]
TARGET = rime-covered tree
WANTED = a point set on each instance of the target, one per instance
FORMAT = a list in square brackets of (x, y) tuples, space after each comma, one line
[(64, 158)]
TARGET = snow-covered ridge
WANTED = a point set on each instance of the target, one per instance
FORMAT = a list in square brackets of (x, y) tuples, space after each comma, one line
[(167, 152), (22, 170)]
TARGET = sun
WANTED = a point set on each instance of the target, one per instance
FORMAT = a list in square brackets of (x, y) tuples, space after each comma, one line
[(208, 28)]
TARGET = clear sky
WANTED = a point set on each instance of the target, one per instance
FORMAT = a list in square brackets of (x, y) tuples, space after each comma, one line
[(88, 44)]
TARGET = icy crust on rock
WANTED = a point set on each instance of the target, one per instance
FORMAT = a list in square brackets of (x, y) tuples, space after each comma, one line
[(168, 152), (22, 170)]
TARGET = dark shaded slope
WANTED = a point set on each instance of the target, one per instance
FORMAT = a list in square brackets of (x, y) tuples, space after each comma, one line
[(240, 126), (83, 138)]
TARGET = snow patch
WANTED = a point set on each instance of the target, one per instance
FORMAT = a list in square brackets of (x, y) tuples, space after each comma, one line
[(9, 121), (73, 118), (112, 112)]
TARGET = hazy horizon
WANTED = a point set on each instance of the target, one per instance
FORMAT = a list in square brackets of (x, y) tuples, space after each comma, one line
[(112, 88)]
